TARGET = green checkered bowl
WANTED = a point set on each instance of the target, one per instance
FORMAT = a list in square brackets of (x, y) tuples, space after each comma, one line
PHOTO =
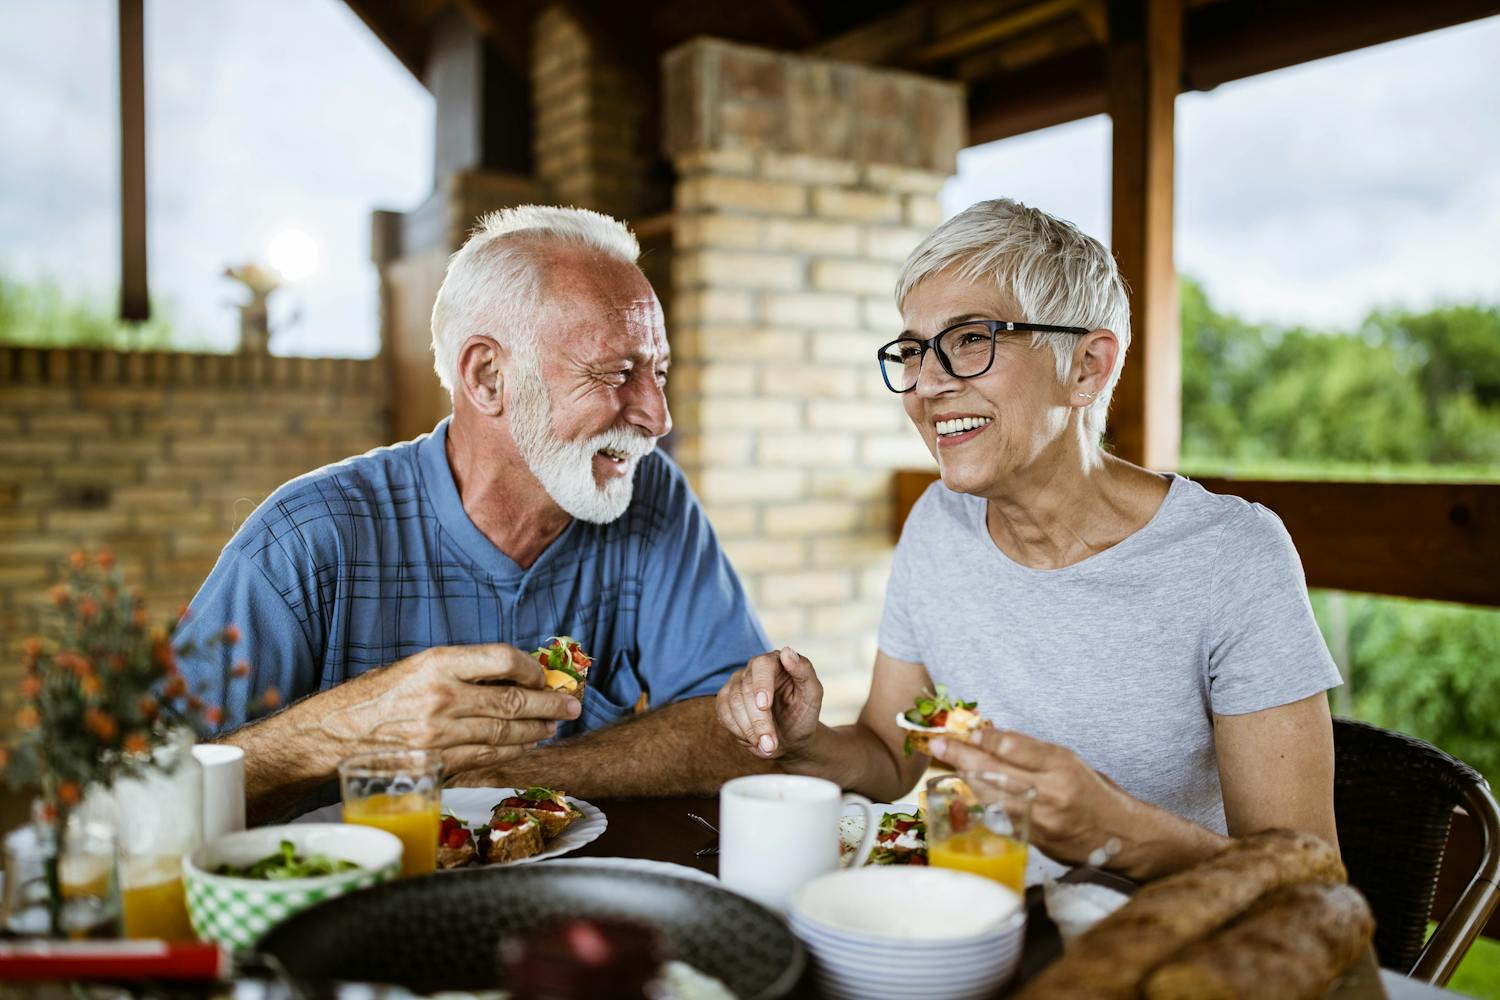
[(237, 912)]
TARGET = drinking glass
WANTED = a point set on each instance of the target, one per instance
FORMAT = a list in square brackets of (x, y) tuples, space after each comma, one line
[(87, 896), (160, 821), (399, 791), (980, 824)]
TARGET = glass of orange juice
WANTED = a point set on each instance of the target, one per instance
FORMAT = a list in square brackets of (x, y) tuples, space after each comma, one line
[(399, 791), (978, 825)]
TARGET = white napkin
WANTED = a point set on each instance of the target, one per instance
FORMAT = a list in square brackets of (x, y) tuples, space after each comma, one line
[(1075, 907)]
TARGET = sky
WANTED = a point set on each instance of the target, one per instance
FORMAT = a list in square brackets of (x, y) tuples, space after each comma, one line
[(1309, 195)]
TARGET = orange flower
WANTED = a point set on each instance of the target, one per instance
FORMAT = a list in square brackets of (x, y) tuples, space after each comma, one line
[(100, 725), (231, 634), (176, 688), (105, 559), (165, 657), (31, 686), (28, 717), (271, 698), (4, 757), (240, 669), (31, 648), (148, 707), (78, 559), (136, 742), (48, 812), (60, 594), (88, 608), (75, 664), (141, 617), (116, 662), (68, 792), (90, 686), (214, 715)]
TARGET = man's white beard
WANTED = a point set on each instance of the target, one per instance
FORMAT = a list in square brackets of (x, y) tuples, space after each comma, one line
[(566, 468)]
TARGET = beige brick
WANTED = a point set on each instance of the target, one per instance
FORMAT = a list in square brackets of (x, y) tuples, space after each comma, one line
[(748, 413), (35, 449), (841, 619), (808, 382), (854, 415), (922, 211), (204, 546), (156, 496), (817, 450), (711, 229), (132, 449), (169, 519), (753, 195), (885, 177), (210, 450), (718, 448), (727, 269), (879, 313), (816, 517), (741, 344), (811, 236), (755, 555), (14, 524), (29, 548), (895, 451), (812, 309), (858, 206), (807, 169), (34, 398), (88, 524), (719, 161), (86, 422), (34, 574), (782, 623), (893, 243), (275, 424), (751, 485), (185, 422), (712, 379), (711, 305), (805, 587), (862, 277), (731, 521), (122, 397), (858, 551), (872, 582), (849, 348)]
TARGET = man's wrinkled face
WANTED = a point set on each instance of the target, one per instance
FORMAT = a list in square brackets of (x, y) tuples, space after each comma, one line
[(592, 402)]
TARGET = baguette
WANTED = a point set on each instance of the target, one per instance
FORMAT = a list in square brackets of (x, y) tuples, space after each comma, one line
[(513, 836), (1292, 944), (1112, 958)]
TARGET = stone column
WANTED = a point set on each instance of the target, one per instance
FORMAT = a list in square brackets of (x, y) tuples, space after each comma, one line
[(802, 186)]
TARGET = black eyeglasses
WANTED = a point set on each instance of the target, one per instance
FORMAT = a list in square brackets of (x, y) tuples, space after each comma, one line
[(965, 350)]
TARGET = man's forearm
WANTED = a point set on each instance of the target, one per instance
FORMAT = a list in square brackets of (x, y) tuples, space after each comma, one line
[(679, 749), (853, 757)]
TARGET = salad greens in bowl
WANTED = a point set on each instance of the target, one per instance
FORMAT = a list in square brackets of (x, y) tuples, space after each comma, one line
[(243, 884)]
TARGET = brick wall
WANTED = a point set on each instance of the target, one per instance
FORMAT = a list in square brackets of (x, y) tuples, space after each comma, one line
[(160, 457), (802, 186)]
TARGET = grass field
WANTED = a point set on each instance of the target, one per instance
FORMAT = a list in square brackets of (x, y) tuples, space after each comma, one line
[(1479, 973)]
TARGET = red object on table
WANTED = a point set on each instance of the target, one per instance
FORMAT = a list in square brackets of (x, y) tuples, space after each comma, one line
[(111, 960)]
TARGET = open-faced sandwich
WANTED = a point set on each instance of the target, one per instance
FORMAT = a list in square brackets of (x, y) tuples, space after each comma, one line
[(551, 809), (458, 845), (565, 664), (936, 715), (901, 840), (513, 835)]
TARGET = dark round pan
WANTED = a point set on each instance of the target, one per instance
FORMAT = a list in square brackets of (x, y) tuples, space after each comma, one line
[(443, 932)]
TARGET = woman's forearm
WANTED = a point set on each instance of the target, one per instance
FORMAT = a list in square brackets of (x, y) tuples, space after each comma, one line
[(1155, 842), (854, 758)]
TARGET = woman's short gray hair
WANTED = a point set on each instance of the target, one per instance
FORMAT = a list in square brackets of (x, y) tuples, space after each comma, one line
[(494, 282), (1055, 273)]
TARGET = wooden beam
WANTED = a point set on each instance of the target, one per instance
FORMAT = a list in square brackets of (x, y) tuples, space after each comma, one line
[(1434, 541), (405, 39), (135, 295), (997, 30), (1145, 66)]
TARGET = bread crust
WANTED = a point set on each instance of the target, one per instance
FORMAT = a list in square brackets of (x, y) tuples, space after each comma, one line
[(522, 842), (1293, 944), (1112, 958)]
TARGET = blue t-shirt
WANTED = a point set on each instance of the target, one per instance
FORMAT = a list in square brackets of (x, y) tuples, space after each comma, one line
[(371, 560)]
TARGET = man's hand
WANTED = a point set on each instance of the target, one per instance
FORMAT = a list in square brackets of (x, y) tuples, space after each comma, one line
[(478, 705), (771, 706)]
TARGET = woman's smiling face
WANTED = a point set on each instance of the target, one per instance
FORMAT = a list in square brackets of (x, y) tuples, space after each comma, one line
[(982, 430)]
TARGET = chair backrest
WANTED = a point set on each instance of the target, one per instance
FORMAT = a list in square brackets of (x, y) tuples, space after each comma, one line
[(1393, 799)]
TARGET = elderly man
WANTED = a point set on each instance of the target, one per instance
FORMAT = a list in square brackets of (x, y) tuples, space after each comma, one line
[(392, 597)]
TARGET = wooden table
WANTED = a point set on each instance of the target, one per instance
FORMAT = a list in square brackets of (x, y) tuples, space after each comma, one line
[(659, 830)]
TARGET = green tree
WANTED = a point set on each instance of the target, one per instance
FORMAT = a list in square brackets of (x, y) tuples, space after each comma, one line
[(40, 315)]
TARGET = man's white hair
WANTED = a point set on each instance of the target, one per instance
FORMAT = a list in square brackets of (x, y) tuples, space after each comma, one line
[(494, 282), (1052, 270)]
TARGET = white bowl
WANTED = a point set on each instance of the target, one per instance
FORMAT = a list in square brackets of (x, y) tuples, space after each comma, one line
[(236, 912), (868, 930)]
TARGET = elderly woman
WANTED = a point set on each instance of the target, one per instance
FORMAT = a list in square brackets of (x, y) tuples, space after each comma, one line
[(1145, 648)]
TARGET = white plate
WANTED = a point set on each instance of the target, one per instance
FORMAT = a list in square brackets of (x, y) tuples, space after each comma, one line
[(1038, 865), (474, 805)]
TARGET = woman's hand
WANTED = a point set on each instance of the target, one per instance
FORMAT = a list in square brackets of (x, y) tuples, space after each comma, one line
[(771, 706), (1077, 810)]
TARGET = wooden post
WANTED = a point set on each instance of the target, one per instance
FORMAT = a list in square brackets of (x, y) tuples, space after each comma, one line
[(135, 299), (1144, 70)]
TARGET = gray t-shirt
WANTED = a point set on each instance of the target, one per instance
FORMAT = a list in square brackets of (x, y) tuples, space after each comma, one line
[(1125, 656)]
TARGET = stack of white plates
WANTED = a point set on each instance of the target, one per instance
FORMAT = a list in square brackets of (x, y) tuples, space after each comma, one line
[(888, 932)]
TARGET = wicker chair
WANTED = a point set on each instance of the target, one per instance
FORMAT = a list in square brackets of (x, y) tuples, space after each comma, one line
[(1393, 798)]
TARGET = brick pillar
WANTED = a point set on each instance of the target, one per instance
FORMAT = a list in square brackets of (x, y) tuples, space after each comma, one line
[(593, 144), (803, 184)]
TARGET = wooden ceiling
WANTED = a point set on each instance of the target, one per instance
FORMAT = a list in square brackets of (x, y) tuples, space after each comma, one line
[(1028, 63)]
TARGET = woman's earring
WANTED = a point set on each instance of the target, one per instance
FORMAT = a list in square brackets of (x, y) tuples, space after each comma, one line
[(1086, 395)]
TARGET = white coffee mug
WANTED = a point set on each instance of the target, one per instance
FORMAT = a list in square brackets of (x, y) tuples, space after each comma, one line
[(777, 831), (223, 788)]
